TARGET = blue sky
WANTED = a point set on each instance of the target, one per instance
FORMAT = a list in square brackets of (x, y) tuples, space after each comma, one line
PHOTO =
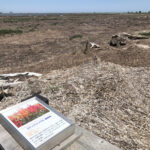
[(44, 6)]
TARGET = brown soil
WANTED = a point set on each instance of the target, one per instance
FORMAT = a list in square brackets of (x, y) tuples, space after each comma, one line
[(45, 42), (105, 90)]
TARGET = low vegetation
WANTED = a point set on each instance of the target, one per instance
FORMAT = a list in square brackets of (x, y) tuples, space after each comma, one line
[(46, 18), (145, 33), (10, 31), (33, 28), (75, 36), (17, 19)]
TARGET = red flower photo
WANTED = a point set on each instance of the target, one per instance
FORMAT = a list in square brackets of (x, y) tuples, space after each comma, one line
[(25, 115)]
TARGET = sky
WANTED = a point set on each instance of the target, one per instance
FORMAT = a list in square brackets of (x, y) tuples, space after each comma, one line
[(66, 6)]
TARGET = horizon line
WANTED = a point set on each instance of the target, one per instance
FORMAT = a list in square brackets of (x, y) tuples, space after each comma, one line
[(11, 12)]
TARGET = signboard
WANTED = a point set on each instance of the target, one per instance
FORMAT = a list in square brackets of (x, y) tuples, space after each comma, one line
[(35, 125)]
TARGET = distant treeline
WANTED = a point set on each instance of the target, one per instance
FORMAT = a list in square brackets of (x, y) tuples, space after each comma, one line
[(45, 14), (138, 12)]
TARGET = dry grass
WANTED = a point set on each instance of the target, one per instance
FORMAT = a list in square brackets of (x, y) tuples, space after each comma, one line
[(42, 41), (110, 100)]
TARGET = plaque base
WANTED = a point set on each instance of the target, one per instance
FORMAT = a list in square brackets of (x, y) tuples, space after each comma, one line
[(9, 143), (81, 139)]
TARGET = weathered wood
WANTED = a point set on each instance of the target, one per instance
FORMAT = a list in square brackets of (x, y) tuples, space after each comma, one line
[(134, 37), (94, 45), (20, 74), (9, 85)]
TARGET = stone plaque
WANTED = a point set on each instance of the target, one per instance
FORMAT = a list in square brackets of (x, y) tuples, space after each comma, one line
[(35, 125)]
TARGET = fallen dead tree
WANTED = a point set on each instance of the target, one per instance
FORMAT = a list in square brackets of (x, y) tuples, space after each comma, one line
[(134, 37), (9, 85), (5, 93), (90, 45), (9, 81), (26, 74), (6, 86), (12, 79)]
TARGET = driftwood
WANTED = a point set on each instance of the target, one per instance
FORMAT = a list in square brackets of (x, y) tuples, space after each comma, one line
[(9, 85), (94, 45), (86, 48), (13, 79), (90, 45), (134, 37), (8, 81), (11, 75), (5, 89)]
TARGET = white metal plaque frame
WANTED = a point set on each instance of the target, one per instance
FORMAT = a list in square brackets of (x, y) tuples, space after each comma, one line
[(60, 131)]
